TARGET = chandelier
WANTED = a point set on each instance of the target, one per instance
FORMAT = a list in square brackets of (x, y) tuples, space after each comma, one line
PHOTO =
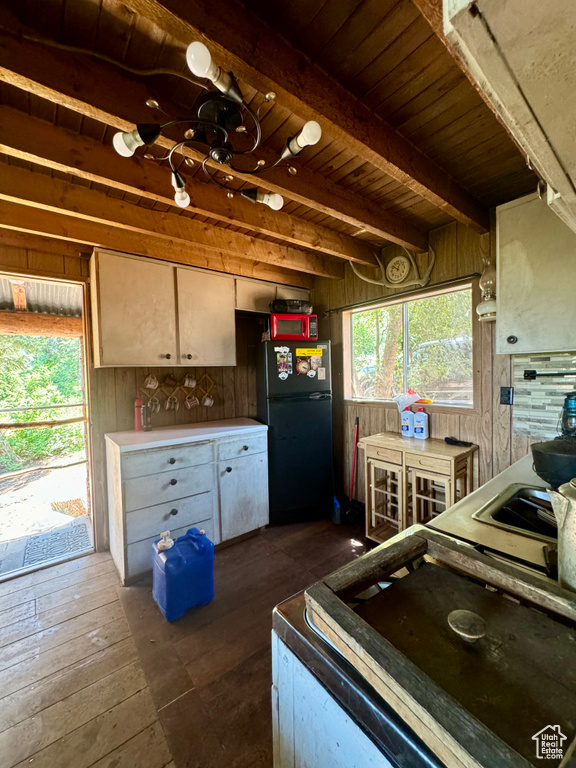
[(226, 128)]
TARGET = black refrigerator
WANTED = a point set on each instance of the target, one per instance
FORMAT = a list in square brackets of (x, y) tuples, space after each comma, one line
[(294, 388)]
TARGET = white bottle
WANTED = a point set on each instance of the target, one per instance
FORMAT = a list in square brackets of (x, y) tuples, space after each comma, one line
[(421, 424), (407, 423)]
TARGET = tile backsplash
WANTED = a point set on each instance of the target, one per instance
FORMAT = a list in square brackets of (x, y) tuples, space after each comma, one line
[(538, 403)]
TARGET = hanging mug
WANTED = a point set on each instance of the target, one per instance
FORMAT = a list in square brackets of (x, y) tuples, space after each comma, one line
[(171, 403), (207, 400), (191, 401), (170, 381), (154, 405), (189, 381), (151, 382)]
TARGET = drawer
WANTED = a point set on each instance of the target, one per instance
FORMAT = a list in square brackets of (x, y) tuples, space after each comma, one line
[(432, 464), (141, 463), (139, 555), (151, 521), (148, 491), (385, 454), (233, 449)]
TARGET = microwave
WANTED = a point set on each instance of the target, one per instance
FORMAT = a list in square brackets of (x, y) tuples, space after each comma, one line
[(293, 327)]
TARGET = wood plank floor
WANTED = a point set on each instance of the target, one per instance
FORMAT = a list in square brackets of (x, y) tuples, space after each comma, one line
[(91, 675), (73, 693)]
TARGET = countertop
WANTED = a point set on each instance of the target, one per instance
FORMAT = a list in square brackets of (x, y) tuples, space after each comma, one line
[(458, 521), (184, 433)]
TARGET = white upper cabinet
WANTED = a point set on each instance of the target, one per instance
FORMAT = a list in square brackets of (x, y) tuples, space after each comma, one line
[(133, 311), (536, 259), (206, 318), (149, 313), (522, 55)]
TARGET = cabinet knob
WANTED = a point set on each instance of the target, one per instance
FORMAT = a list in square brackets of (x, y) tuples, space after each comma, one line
[(512, 339), (171, 461), (173, 511), (189, 357), (168, 356), (245, 448), (228, 469), (173, 481)]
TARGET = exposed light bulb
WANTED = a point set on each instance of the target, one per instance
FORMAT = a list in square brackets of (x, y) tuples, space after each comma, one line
[(182, 198), (272, 201), (126, 143), (310, 134), (200, 61)]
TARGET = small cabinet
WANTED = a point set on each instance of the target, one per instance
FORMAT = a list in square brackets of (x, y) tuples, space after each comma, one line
[(243, 486), (151, 313), (536, 254), (133, 311), (256, 295), (206, 318)]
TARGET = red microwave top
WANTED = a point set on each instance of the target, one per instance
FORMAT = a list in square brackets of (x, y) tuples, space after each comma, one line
[(293, 327)]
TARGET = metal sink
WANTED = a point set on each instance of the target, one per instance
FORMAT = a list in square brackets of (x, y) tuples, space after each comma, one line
[(521, 509)]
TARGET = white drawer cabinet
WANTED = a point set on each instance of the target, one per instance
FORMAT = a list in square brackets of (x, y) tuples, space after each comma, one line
[(218, 483)]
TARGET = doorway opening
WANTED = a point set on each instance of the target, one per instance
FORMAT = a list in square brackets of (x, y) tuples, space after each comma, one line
[(45, 508)]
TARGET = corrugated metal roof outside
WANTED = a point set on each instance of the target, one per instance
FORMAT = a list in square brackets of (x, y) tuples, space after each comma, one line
[(45, 298)]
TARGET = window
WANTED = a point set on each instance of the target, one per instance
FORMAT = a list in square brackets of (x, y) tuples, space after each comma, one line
[(424, 344)]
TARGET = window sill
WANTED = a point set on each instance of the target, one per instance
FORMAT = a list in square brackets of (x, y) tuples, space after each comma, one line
[(463, 410)]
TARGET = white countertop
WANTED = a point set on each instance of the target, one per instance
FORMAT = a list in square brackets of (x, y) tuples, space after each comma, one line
[(458, 520), (184, 433)]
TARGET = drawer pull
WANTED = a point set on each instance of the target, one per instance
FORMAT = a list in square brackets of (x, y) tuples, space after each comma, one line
[(245, 447), (189, 357), (228, 469), (173, 511), (173, 481), (168, 356), (172, 461)]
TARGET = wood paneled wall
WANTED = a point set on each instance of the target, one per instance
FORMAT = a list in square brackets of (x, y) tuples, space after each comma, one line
[(459, 253), (111, 391)]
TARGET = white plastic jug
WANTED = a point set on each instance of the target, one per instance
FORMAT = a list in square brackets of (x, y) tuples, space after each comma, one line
[(407, 423), (421, 424)]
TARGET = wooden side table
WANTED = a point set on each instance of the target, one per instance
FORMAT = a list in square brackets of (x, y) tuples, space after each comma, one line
[(410, 481)]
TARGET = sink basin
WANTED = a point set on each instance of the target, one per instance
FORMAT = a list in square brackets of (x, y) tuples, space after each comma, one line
[(525, 510)]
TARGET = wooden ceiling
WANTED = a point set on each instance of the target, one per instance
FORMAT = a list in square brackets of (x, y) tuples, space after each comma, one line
[(407, 144)]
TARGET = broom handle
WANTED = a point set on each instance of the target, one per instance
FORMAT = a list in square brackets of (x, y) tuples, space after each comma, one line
[(354, 450)]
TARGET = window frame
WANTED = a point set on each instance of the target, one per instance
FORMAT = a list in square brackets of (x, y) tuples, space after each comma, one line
[(481, 336)]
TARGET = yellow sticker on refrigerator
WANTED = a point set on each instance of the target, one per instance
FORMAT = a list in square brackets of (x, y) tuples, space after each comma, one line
[(308, 353)]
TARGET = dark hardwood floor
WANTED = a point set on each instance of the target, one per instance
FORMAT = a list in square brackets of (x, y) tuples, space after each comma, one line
[(209, 673)]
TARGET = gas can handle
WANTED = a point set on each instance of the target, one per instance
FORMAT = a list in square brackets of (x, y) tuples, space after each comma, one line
[(199, 546)]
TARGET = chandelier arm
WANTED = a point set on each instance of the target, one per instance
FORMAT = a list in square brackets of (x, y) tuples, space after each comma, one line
[(108, 59), (258, 137), (212, 177), (258, 169)]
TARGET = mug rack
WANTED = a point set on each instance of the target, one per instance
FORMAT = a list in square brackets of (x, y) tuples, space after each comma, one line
[(170, 387)]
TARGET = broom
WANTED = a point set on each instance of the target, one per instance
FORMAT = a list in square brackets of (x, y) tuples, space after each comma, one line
[(354, 511)]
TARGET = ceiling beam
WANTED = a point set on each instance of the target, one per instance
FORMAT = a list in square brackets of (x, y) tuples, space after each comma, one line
[(240, 41), (35, 324), (55, 225), (103, 92), (40, 142), (40, 191)]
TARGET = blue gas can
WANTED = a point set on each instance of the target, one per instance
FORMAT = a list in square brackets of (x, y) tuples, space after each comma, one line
[(183, 572)]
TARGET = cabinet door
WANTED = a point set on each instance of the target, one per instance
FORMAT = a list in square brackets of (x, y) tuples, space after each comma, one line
[(135, 318), (535, 285), (206, 317), (243, 485)]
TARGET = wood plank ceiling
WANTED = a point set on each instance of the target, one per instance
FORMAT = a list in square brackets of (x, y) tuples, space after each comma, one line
[(407, 144)]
